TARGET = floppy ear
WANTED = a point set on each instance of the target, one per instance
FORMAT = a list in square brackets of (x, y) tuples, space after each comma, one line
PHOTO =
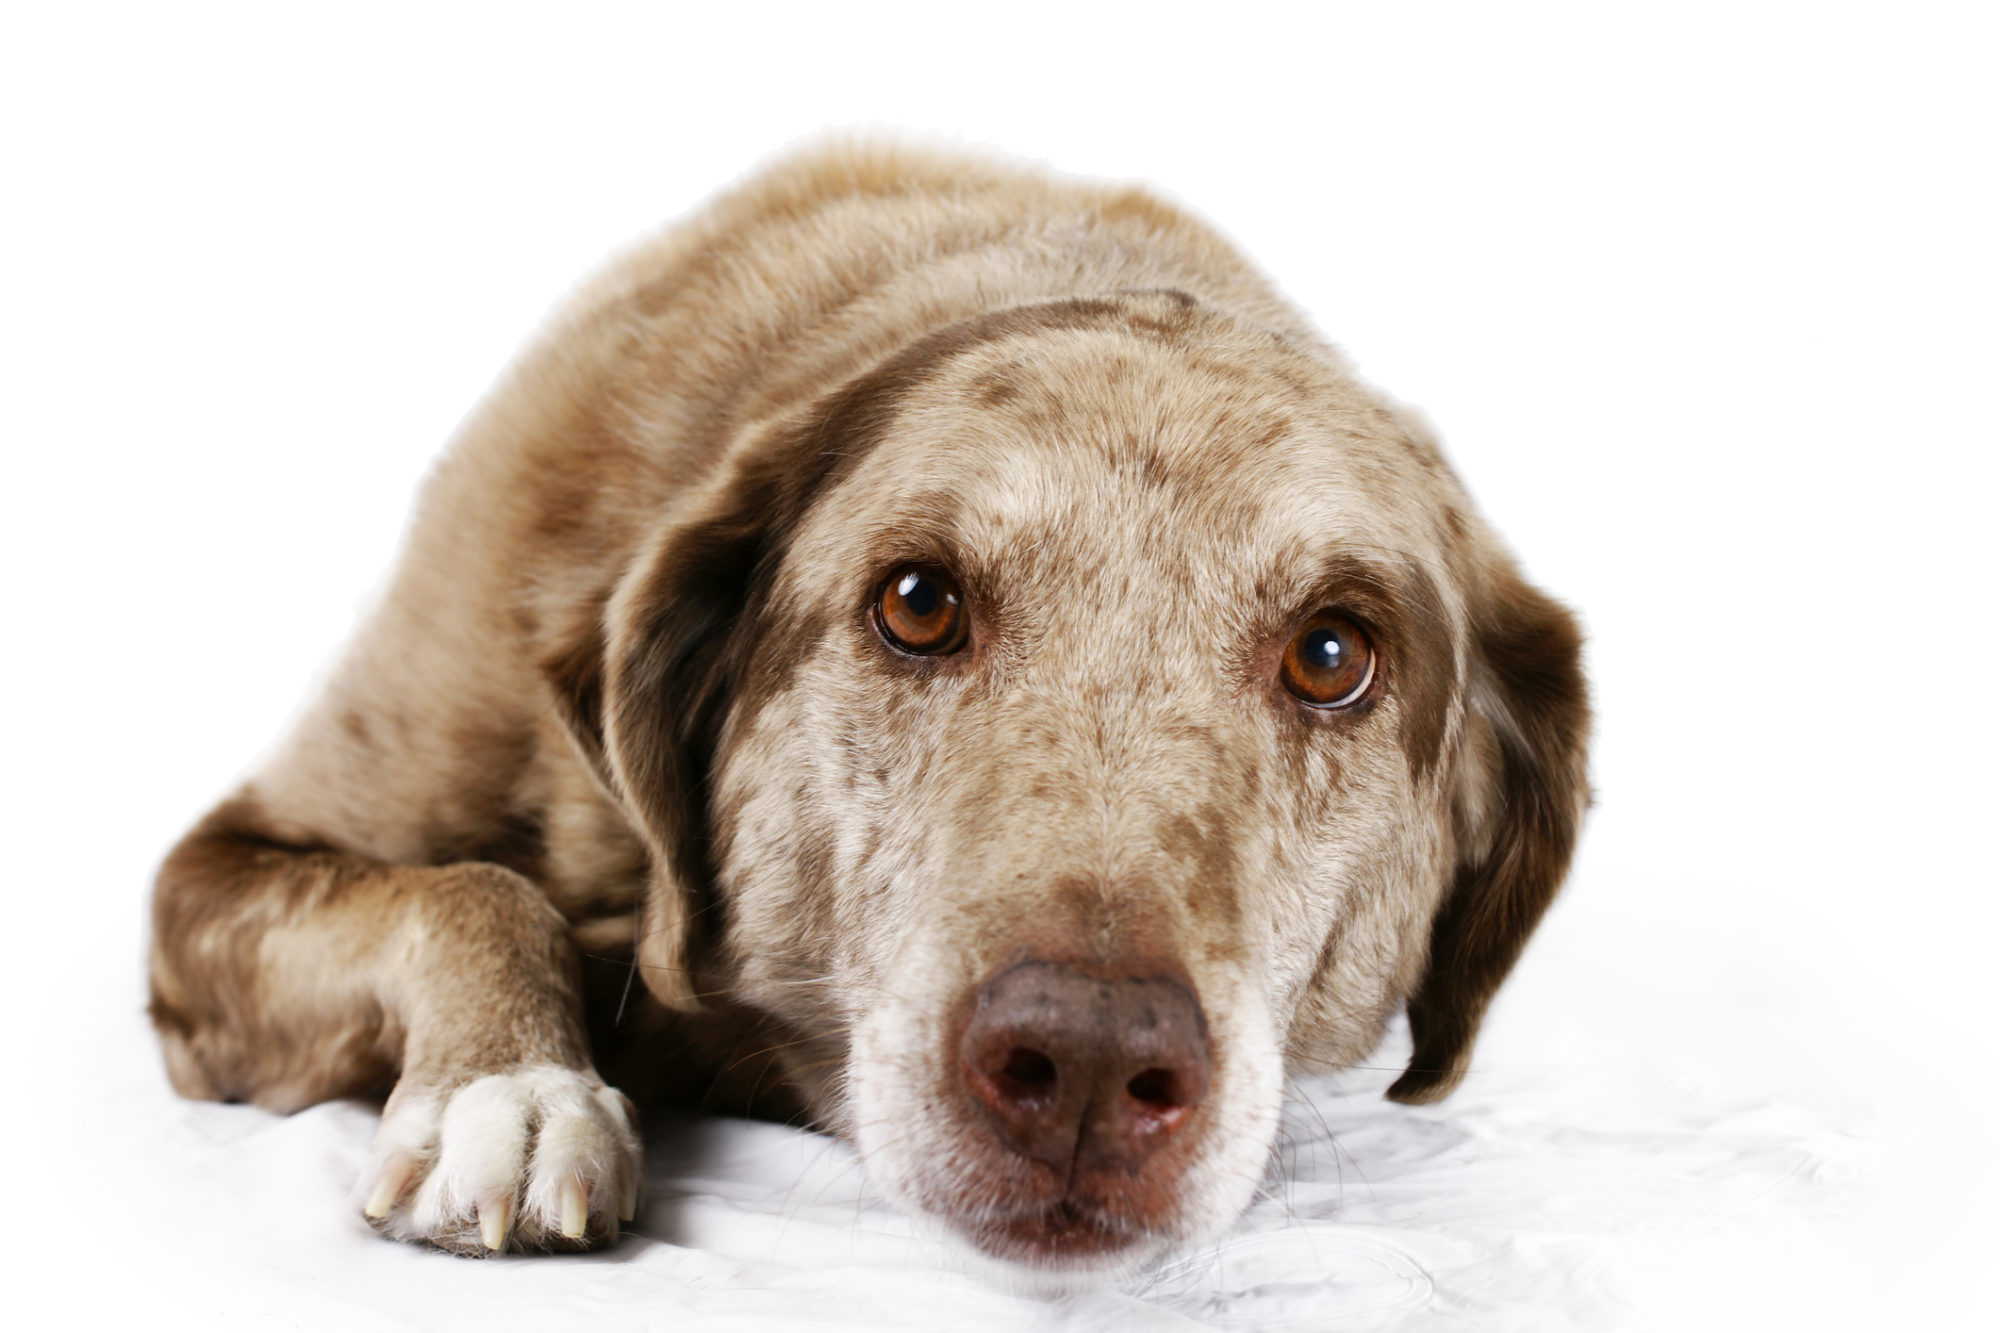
[(1521, 794), (645, 684)]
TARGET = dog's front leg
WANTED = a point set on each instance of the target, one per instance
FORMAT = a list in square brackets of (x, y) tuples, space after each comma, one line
[(285, 975)]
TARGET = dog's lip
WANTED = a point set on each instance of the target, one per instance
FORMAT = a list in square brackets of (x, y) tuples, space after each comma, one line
[(1064, 1229)]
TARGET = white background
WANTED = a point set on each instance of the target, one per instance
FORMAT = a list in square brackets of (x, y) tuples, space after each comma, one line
[(1703, 301)]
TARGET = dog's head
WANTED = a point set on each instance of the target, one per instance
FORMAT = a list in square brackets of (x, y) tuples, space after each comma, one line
[(1064, 724)]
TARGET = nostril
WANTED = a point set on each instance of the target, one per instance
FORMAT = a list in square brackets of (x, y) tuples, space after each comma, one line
[(1154, 1089), (1031, 1070), (1081, 1071)]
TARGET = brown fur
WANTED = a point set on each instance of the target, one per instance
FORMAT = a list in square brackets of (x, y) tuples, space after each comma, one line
[(624, 699)]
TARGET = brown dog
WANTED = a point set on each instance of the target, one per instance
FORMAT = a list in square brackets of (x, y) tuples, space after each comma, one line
[(972, 645)]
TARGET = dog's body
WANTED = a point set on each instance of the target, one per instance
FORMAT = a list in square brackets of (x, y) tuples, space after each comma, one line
[(1037, 913)]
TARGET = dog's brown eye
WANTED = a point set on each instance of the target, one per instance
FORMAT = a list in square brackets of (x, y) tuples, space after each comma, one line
[(1330, 662), (920, 611)]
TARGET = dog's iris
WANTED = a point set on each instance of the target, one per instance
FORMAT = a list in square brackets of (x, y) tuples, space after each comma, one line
[(921, 610), (1330, 662)]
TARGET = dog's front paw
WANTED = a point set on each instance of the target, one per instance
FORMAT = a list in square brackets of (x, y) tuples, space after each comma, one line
[(541, 1158)]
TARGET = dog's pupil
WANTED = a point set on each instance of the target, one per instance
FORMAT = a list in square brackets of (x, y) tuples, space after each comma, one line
[(918, 593), (1323, 649)]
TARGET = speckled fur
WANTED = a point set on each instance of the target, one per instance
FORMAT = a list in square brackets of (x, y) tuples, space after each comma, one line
[(625, 672)]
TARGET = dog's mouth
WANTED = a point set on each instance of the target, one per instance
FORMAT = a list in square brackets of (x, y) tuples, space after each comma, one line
[(1083, 1219), (1068, 1233)]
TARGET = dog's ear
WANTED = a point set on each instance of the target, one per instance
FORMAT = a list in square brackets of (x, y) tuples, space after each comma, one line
[(1520, 797), (645, 685), (672, 660)]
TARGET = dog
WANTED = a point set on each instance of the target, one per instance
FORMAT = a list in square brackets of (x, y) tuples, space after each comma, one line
[(978, 655)]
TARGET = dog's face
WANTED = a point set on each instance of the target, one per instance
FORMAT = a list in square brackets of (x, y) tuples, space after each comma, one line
[(1064, 725)]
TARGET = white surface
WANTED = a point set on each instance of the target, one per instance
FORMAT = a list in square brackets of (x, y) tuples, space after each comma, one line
[(1701, 299), (1532, 1203)]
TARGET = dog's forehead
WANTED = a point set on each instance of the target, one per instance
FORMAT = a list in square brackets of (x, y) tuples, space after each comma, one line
[(1212, 455)]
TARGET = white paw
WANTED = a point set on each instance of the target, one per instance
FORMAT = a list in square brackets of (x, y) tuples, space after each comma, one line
[(543, 1158)]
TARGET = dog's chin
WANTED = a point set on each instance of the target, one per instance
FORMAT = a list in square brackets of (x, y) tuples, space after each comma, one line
[(1062, 1235), (1062, 1247)]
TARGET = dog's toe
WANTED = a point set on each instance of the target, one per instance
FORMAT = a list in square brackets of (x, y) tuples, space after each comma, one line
[(535, 1159)]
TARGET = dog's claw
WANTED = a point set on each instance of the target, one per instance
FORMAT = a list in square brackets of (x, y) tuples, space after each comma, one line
[(494, 1215), (628, 1203), (389, 1187), (527, 1162), (575, 1208)]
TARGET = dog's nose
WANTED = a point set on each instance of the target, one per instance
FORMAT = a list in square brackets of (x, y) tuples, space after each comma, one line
[(1077, 1069)]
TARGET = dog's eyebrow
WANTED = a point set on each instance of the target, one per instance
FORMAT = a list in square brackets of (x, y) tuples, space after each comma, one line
[(1344, 576)]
